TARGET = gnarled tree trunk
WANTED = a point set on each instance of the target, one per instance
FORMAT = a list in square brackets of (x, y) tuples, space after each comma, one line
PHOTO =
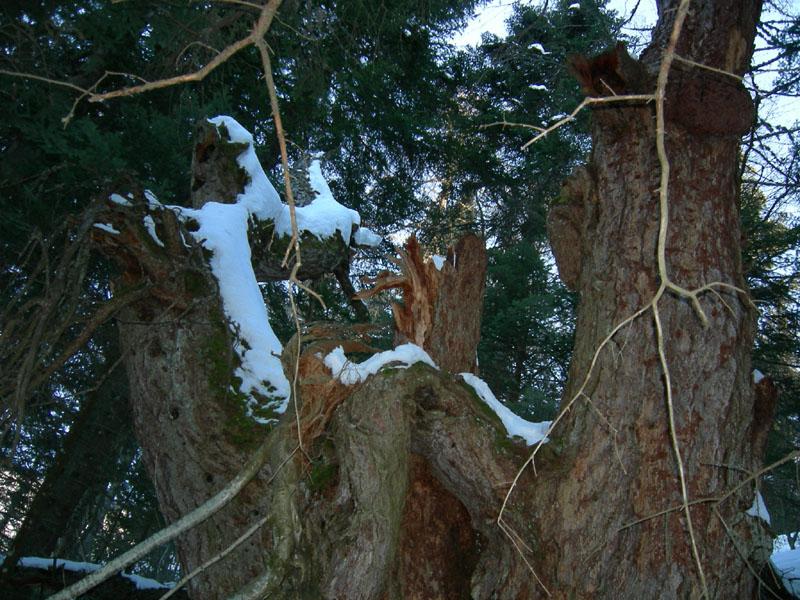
[(396, 490)]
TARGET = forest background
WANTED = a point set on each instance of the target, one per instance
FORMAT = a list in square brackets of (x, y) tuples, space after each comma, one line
[(419, 136)]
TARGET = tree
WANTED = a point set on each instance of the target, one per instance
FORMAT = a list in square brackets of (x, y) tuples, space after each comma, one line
[(771, 232), (392, 488), (674, 433)]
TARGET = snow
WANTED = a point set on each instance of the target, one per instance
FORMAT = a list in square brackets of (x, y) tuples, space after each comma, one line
[(32, 562), (515, 426), (757, 376), (350, 373), (366, 237), (152, 201), (117, 199), (324, 216), (574, 5), (539, 47), (150, 225), (259, 197), (538, 86), (438, 261), (106, 227), (787, 564), (759, 509), (223, 229)]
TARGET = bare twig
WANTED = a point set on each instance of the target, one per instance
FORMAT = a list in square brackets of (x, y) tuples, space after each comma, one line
[(505, 124), (72, 86), (707, 68), (276, 115), (661, 87), (586, 102), (264, 21), (188, 521)]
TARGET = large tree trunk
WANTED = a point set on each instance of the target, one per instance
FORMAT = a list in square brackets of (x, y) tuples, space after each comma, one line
[(396, 490), (407, 470), (609, 506)]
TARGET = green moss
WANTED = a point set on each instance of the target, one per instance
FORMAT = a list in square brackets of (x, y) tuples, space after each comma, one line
[(263, 234), (502, 442), (196, 284), (231, 151), (322, 474), (484, 408), (221, 364), (231, 169)]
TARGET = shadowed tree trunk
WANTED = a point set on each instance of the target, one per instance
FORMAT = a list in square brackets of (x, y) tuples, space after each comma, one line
[(398, 484)]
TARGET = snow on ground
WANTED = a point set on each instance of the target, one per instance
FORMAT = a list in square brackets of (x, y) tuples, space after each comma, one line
[(142, 583)]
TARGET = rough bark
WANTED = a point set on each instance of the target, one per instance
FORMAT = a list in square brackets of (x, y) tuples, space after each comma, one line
[(409, 460), (398, 487), (408, 465), (216, 177), (421, 471), (618, 466)]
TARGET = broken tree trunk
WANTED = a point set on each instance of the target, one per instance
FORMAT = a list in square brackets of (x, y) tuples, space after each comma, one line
[(442, 304), (387, 489)]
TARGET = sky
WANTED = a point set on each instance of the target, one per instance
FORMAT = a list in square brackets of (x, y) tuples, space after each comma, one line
[(491, 18)]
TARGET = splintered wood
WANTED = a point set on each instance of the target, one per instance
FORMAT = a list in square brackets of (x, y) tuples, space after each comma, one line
[(441, 308)]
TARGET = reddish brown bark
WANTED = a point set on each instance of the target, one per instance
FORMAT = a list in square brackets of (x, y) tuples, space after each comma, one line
[(406, 472), (441, 307), (619, 466), (406, 466)]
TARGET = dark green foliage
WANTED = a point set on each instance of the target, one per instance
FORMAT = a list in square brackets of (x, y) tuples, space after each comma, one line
[(489, 184), (773, 272), (771, 237), (487, 180), (368, 91), (526, 338), (415, 134)]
